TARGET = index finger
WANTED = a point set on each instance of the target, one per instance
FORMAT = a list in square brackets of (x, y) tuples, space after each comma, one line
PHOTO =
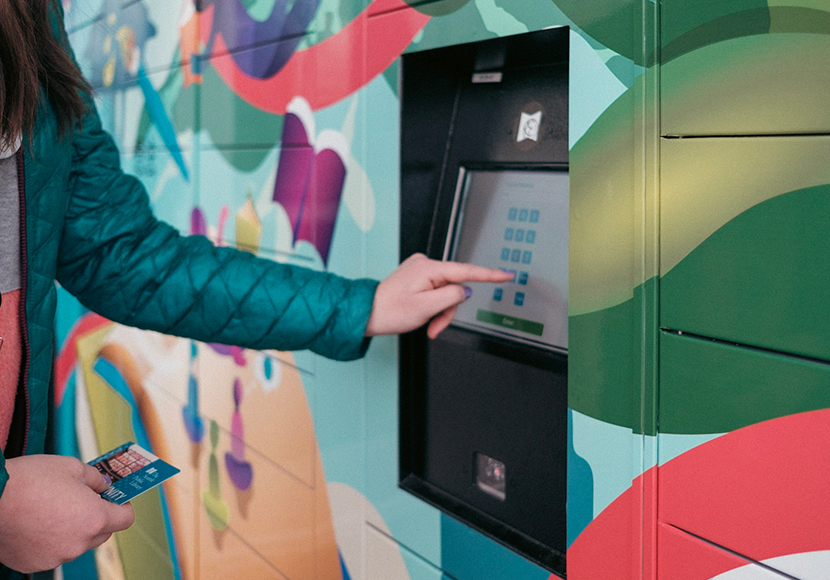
[(458, 273)]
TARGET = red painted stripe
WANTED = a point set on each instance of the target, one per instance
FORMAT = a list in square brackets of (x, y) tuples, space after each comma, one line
[(684, 557), (331, 70), (68, 357), (760, 491)]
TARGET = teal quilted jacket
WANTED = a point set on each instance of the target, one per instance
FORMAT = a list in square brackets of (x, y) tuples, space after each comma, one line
[(88, 226)]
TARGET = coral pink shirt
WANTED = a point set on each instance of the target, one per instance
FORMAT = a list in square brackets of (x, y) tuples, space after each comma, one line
[(10, 350), (10, 357)]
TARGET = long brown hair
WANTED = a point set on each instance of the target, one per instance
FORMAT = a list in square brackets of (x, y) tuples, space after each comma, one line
[(33, 57)]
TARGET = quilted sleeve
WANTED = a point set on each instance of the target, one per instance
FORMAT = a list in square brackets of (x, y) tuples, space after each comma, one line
[(121, 262)]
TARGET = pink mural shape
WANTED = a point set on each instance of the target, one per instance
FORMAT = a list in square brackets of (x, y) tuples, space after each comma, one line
[(310, 178), (240, 471)]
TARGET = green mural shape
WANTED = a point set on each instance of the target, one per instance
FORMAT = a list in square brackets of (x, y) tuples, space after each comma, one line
[(761, 280), (616, 24), (705, 183), (761, 84), (686, 25), (695, 172), (216, 508), (753, 282), (331, 17), (462, 26), (437, 7), (239, 125), (813, 19), (601, 363), (710, 387), (605, 362)]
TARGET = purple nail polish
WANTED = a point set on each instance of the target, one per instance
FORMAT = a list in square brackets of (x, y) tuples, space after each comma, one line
[(107, 480), (467, 292)]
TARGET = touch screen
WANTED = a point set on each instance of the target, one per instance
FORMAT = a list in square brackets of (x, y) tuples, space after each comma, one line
[(515, 220)]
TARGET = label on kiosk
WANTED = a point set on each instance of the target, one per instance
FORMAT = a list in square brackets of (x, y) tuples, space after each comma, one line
[(517, 220)]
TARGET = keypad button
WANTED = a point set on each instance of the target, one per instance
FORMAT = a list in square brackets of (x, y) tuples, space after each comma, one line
[(512, 213), (520, 236), (523, 215), (516, 256), (534, 216), (530, 238), (526, 257), (505, 254), (497, 294), (508, 234), (523, 278), (519, 299)]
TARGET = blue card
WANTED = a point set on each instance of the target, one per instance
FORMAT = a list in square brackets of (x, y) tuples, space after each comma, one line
[(133, 470)]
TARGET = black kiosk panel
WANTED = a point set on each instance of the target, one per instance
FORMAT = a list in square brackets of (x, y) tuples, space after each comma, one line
[(483, 408)]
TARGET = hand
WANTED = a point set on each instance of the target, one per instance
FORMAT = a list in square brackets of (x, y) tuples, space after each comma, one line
[(51, 513), (421, 289)]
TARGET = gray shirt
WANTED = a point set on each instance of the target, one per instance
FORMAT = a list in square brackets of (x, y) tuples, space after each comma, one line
[(9, 226)]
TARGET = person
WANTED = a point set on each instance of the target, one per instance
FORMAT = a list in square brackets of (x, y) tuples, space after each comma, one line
[(69, 214)]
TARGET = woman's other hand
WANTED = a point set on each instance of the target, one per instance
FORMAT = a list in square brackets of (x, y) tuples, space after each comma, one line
[(51, 512)]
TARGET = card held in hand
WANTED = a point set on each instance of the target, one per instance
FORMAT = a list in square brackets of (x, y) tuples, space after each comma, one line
[(133, 470)]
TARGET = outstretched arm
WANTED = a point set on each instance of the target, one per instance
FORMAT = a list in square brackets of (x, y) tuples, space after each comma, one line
[(421, 290)]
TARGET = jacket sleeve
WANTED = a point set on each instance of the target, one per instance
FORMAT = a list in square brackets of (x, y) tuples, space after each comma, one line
[(123, 263)]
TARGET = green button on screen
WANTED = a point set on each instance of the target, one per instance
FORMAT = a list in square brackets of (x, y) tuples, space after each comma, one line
[(511, 322)]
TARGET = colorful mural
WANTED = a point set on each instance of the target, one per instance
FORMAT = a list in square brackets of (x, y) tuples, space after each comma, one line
[(698, 359)]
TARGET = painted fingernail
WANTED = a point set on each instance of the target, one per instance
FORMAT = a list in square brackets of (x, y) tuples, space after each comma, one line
[(467, 292), (107, 480), (511, 272)]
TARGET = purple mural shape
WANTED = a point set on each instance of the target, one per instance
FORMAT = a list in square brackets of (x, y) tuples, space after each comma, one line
[(235, 352), (309, 183), (240, 471), (198, 226), (272, 41), (322, 202)]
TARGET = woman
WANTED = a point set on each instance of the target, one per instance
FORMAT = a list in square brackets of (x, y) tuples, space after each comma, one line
[(68, 214)]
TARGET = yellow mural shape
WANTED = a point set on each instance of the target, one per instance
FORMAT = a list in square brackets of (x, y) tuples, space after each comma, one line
[(248, 227), (112, 426)]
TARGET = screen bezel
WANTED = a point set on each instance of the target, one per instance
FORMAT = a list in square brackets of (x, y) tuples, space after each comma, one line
[(456, 223)]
